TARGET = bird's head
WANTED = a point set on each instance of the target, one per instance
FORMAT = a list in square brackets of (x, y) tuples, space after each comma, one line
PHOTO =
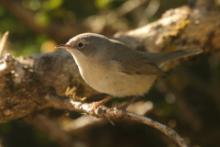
[(87, 44)]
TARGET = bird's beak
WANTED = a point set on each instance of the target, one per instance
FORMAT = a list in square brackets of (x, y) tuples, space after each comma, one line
[(63, 46)]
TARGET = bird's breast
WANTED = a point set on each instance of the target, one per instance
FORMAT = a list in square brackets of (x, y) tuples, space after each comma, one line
[(106, 78)]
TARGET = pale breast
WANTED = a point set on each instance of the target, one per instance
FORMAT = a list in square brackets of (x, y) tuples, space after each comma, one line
[(107, 79)]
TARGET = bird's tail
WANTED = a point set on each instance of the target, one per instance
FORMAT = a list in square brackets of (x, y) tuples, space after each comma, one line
[(177, 55)]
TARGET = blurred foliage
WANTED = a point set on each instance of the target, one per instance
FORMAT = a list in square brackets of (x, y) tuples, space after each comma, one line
[(93, 15), (25, 41)]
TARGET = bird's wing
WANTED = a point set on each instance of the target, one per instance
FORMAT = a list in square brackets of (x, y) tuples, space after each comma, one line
[(134, 62)]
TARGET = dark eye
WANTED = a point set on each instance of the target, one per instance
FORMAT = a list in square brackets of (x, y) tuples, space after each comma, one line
[(80, 45)]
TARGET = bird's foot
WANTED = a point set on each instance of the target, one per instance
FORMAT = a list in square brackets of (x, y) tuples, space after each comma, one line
[(97, 104)]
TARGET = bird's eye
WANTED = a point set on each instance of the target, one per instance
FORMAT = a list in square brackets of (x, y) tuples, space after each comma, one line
[(80, 45)]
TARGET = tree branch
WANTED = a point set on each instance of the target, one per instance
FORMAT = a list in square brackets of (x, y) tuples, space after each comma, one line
[(112, 114)]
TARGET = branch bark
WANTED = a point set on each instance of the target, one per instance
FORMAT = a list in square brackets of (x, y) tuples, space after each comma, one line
[(112, 114)]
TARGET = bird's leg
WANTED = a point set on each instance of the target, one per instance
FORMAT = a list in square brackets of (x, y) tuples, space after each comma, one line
[(96, 104), (101, 102)]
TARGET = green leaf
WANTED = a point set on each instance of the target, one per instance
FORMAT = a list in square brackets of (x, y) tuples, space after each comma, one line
[(52, 4), (102, 4), (42, 18)]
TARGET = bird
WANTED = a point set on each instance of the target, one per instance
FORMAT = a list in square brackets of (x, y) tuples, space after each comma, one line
[(111, 67)]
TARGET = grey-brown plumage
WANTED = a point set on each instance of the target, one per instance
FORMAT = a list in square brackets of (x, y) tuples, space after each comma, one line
[(111, 67)]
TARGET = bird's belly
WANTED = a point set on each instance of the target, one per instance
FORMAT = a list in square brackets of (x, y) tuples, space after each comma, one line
[(119, 84)]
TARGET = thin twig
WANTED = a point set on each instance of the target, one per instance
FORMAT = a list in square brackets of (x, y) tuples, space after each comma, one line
[(3, 41), (115, 114)]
